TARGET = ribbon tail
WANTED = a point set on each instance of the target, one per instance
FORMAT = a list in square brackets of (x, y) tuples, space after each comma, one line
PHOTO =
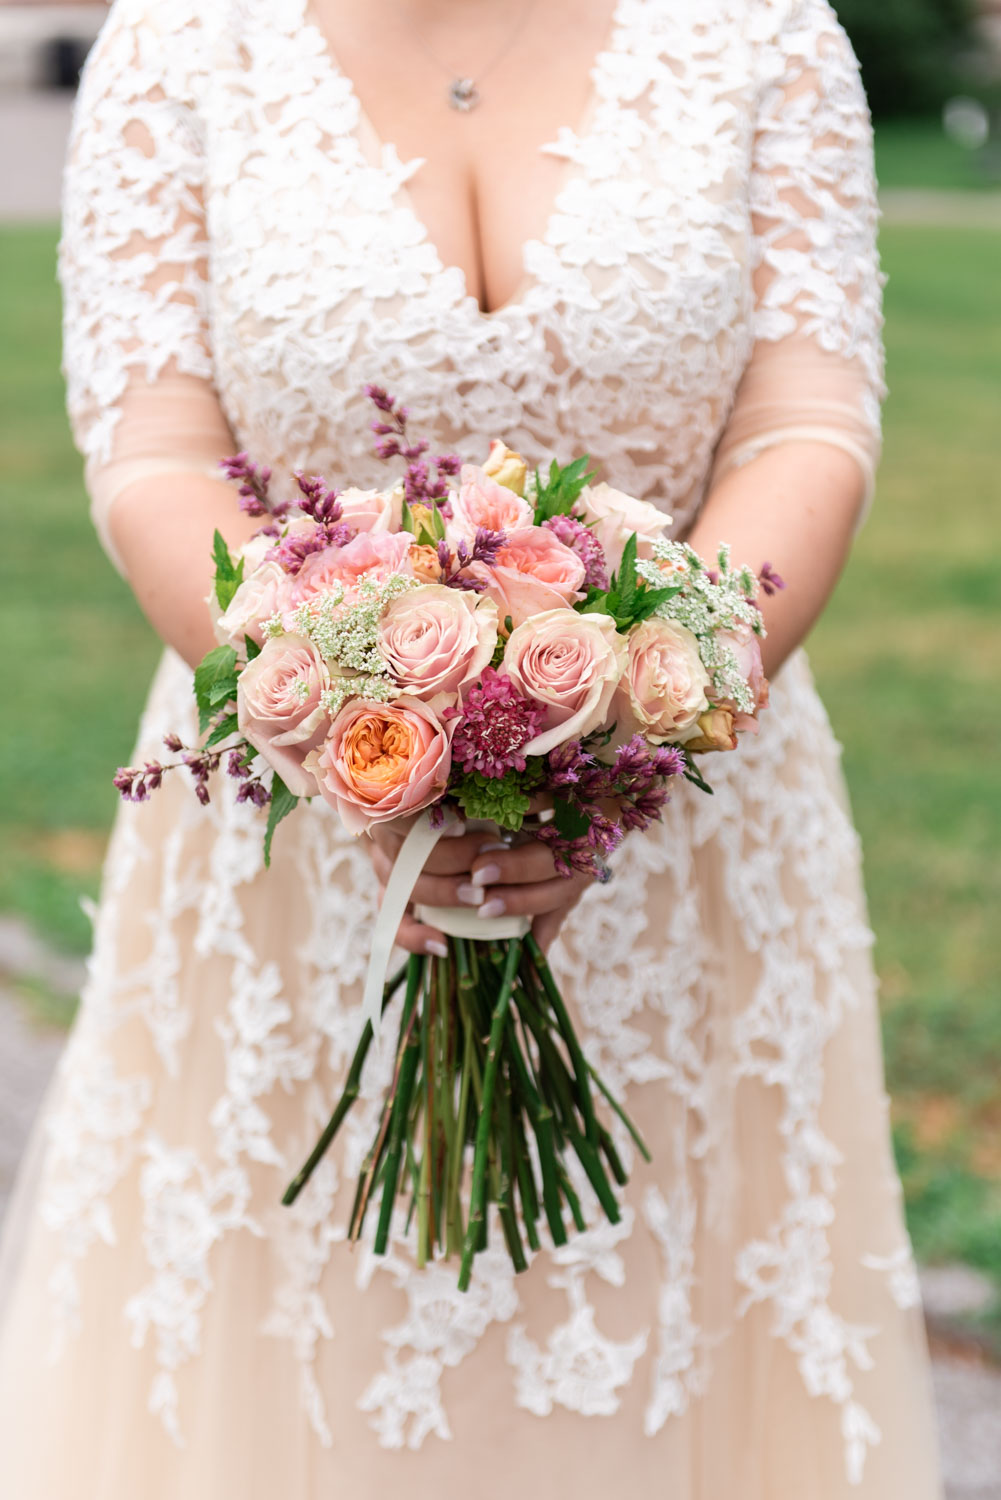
[(410, 861)]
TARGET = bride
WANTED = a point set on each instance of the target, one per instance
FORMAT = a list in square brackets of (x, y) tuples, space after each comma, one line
[(644, 230)]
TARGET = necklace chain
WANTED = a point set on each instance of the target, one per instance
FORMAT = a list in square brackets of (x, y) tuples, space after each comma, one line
[(464, 91)]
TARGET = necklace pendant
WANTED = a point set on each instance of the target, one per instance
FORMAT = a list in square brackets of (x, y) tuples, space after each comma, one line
[(463, 94)]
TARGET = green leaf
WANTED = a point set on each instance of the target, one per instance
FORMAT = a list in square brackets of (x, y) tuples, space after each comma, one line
[(569, 820), (227, 726), (557, 495), (282, 803), (215, 682), (253, 649), (228, 574)]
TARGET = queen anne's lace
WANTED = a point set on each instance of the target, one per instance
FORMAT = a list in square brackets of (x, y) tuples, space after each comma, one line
[(229, 216)]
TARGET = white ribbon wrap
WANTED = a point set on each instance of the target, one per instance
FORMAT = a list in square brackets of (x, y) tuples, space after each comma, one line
[(456, 921)]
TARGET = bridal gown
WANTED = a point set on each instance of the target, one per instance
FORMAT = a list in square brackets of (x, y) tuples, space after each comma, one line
[(240, 255)]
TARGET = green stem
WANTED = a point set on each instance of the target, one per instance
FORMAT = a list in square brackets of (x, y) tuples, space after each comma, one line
[(581, 1068), (477, 1197), (406, 1069), (350, 1093)]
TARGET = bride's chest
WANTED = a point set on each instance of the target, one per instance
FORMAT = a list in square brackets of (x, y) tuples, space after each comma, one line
[(317, 233)]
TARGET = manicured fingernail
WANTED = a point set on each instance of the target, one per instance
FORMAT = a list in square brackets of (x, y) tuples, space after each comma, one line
[(489, 848), (453, 831), (494, 908), (486, 875), (470, 895), (437, 947), (547, 815)]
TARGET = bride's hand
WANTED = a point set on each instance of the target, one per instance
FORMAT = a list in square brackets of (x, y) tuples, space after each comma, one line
[(473, 870)]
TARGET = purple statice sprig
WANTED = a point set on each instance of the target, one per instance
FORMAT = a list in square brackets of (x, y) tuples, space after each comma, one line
[(582, 540), (319, 503), (598, 802), (424, 480), (770, 581), (254, 480), (135, 783), (486, 546)]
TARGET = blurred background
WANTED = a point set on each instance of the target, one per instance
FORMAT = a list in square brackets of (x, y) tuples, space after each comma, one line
[(908, 656)]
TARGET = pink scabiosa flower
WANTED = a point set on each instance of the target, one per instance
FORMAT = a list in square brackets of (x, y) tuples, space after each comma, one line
[(496, 723), (582, 540)]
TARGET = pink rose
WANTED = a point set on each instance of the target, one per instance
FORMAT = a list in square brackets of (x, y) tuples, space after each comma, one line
[(258, 598), (435, 638), (279, 710), (372, 510), (663, 689), (746, 647), (569, 663), (382, 760), (613, 517), (370, 554), (482, 501), (534, 572)]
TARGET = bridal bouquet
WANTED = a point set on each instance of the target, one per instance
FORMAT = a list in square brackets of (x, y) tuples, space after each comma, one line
[(472, 644)]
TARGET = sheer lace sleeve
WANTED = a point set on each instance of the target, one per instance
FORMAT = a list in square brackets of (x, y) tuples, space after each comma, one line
[(133, 258), (816, 371)]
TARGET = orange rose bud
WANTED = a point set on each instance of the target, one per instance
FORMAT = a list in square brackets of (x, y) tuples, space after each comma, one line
[(424, 561), (715, 731)]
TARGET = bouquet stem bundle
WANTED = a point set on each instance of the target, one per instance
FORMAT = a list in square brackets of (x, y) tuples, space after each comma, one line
[(486, 1061)]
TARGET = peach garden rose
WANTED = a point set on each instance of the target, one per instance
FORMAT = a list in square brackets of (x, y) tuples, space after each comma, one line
[(534, 572), (382, 760)]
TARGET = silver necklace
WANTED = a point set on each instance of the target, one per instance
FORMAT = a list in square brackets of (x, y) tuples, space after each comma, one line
[(464, 92)]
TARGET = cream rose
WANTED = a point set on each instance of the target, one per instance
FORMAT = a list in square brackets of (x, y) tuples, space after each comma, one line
[(434, 639), (569, 663), (482, 501), (372, 510), (506, 466), (279, 709), (259, 597), (663, 689), (613, 516), (382, 760), (534, 572)]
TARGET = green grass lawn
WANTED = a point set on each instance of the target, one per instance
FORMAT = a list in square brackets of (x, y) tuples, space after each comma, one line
[(907, 658), (919, 154)]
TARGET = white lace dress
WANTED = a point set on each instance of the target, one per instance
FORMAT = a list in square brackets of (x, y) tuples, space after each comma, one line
[(240, 255)]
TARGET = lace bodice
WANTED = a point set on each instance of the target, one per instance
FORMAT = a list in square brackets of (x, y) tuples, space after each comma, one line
[(241, 254)]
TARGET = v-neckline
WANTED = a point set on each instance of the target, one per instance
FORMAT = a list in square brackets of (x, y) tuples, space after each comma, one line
[(364, 127)]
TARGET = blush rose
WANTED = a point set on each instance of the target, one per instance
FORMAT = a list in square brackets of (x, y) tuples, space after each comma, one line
[(663, 689), (570, 664), (435, 639), (279, 708), (375, 555)]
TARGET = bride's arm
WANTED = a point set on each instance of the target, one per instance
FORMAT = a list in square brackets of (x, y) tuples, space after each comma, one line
[(137, 348)]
